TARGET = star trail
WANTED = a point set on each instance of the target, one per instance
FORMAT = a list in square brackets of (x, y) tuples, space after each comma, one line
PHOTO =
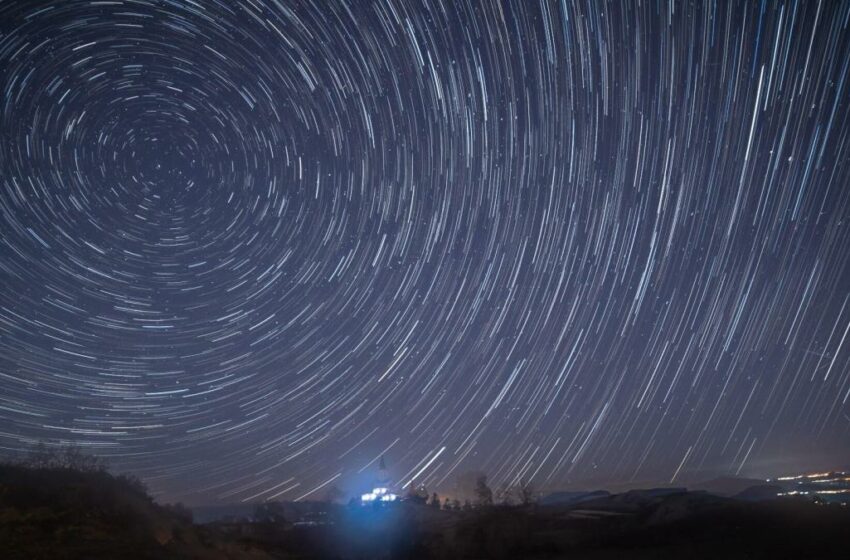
[(249, 247)]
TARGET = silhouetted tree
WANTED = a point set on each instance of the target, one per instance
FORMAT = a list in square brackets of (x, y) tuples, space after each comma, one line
[(464, 485), (417, 494), (483, 492), (467, 506), (456, 504), (435, 501), (505, 494), (134, 482), (525, 492), (69, 457), (269, 512)]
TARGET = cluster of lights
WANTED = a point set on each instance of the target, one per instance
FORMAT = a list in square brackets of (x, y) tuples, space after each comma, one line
[(813, 485), (378, 495), (801, 476), (816, 492)]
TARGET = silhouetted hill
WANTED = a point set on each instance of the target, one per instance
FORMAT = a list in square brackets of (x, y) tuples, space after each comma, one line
[(569, 498), (63, 513), (644, 525), (760, 492), (665, 523), (727, 485)]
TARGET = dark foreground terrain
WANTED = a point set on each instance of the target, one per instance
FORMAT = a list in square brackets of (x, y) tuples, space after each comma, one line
[(51, 513)]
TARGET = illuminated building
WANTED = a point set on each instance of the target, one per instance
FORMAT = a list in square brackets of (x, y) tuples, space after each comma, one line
[(381, 492)]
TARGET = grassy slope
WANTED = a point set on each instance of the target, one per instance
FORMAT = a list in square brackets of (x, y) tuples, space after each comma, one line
[(66, 514)]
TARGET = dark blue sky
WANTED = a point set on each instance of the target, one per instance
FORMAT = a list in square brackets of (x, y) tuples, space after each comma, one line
[(247, 247)]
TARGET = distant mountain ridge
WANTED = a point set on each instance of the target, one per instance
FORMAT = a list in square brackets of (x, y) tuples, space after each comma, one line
[(728, 485)]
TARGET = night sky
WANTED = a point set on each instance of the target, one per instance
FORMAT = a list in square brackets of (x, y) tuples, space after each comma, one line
[(249, 247)]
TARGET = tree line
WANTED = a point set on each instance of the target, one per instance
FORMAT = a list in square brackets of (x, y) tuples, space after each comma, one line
[(522, 493)]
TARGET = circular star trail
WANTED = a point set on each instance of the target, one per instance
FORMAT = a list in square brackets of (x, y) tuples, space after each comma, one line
[(249, 247)]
